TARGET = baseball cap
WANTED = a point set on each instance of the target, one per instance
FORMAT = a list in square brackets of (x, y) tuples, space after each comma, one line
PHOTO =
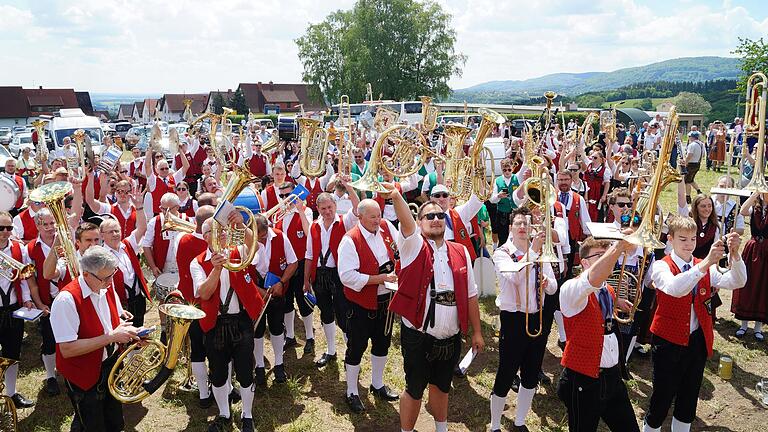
[(438, 189)]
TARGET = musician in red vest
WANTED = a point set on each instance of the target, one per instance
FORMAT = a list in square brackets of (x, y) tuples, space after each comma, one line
[(598, 178), (24, 227), (573, 208), (187, 204), (189, 246), (160, 245), (160, 180), (136, 167), (276, 259), (320, 272), (87, 235), (520, 302), (315, 185), (270, 195), (86, 324), (683, 326), (295, 226), (231, 303), (258, 163), (458, 225), (195, 156), (591, 386), (437, 298), (124, 210), (13, 295), (367, 259), (21, 185)]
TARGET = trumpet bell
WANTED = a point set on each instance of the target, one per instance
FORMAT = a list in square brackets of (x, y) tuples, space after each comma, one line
[(174, 223)]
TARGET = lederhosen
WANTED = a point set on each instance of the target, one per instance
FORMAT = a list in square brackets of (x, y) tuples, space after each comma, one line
[(274, 315), (330, 293), (11, 329)]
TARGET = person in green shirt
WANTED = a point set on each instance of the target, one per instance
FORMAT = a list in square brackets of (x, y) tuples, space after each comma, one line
[(503, 187)]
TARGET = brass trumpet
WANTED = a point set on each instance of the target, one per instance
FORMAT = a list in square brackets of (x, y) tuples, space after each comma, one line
[(53, 195), (13, 270)]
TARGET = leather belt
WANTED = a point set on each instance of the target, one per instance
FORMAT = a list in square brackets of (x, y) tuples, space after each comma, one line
[(446, 298)]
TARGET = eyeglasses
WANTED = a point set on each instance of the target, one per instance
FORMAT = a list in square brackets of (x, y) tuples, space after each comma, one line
[(432, 216), (593, 255), (105, 279), (181, 189), (6, 228), (507, 169), (440, 195), (623, 204), (163, 169)]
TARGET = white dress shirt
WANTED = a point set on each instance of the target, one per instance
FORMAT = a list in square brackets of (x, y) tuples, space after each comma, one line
[(574, 296), (495, 195), (264, 254), (152, 180), (124, 261), (446, 317), (729, 205), (350, 220), (7, 286), (18, 226), (199, 276), (349, 259), (65, 320), (300, 179), (513, 287), (54, 287), (171, 236), (343, 203), (466, 212), (682, 284)]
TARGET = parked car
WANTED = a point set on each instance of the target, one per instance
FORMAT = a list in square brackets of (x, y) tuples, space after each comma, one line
[(122, 128), (287, 128), (19, 142), (18, 129), (4, 156), (5, 135), (267, 123)]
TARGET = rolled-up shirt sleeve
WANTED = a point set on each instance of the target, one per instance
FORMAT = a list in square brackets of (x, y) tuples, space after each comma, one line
[(65, 321), (675, 285), (349, 266), (574, 294)]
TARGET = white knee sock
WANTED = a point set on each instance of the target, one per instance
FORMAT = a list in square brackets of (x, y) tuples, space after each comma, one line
[(221, 394), (758, 326), (258, 351), (560, 325), (353, 373), (377, 371), (49, 360), (678, 426), (278, 342), (247, 397), (330, 337), (289, 327), (344, 335), (441, 426), (524, 400), (744, 325), (229, 384), (201, 376), (497, 407), (647, 428), (10, 379), (308, 329)]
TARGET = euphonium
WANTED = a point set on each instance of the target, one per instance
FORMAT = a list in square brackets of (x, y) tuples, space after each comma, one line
[(429, 113), (480, 156), (384, 119), (241, 177), (314, 146), (272, 142), (129, 380), (755, 118), (53, 195), (608, 124), (13, 270), (155, 138), (8, 418), (175, 223), (74, 154), (41, 148), (458, 167)]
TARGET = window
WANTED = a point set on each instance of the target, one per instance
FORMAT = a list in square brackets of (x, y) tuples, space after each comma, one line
[(413, 107)]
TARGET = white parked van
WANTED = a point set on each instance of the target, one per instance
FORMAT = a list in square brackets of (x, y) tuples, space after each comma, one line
[(70, 120)]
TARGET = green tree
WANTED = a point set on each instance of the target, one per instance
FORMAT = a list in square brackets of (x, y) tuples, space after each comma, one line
[(693, 103), (219, 103), (238, 102), (754, 56), (404, 48), (646, 104)]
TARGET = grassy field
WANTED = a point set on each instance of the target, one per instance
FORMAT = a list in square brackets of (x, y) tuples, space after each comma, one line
[(313, 400)]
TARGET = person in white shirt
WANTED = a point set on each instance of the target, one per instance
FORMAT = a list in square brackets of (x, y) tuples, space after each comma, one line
[(160, 179), (652, 139), (521, 300), (160, 245)]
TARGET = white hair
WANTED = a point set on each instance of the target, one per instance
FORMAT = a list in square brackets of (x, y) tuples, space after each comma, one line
[(98, 258), (170, 199)]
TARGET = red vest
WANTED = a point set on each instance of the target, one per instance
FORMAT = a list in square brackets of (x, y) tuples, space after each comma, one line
[(127, 225), (258, 165), (188, 208), (84, 370), (20, 200), (367, 297), (246, 291), (16, 254), (190, 246), (314, 191), (35, 252), (414, 280), (672, 320), (277, 260), (30, 228), (272, 198), (575, 232), (381, 200), (161, 189), (96, 184), (137, 165), (460, 233), (160, 245), (117, 279), (594, 180), (585, 332), (296, 235), (337, 233)]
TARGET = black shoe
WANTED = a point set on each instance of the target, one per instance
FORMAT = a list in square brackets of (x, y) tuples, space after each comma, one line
[(247, 425), (289, 343), (309, 347), (280, 375), (325, 359), (21, 402), (522, 428), (52, 387), (207, 402), (384, 393), (544, 379), (561, 345), (516, 384), (260, 376), (234, 395), (220, 424), (355, 404)]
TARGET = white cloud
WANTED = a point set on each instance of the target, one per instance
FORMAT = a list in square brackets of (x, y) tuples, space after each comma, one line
[(196, 46)]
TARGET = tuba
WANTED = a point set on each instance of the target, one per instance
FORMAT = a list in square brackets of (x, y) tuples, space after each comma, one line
[(314, 146), (345, 146), (129, 380), (53, 195), (471, 176), (608, 124), (13, 270), (429, 113), (457, 166), (8, 419), (271, 144)]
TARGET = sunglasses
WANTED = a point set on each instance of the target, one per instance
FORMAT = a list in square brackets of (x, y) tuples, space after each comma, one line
[(623, 204), (432, 216), (124, 172), (440, 195), (181, 189), (6, 228), (163, 169), (507, 170)]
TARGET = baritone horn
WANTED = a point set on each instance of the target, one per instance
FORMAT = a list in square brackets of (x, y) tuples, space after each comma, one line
[(13, 270), (178, 224), (314, 146), (53, 195), (8, 418), (130, 379)]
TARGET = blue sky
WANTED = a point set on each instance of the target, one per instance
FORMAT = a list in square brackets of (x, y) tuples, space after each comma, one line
[(196, 46)]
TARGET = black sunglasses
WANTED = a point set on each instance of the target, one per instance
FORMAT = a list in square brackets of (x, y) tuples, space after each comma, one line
[(623, 204), (432, 216), (440, 195), (6, 228)]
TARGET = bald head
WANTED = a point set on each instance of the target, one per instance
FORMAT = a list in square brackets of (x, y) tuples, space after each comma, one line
[(370, 214)]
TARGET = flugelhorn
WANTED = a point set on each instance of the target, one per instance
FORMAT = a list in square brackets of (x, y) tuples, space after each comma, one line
[(13, 270), (53, 195), (130, 379), (314, 146), (8, 418)]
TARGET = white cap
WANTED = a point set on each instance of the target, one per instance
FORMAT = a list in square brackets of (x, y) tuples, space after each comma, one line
[(439, 188)]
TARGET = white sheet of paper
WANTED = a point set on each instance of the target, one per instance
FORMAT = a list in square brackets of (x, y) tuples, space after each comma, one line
[(28, 314), (467, 360), (513, 267), (607, 231), (222, 216), (392, 286)]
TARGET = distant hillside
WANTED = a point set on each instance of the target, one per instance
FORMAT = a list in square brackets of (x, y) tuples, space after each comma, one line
[(111, 101), (691, 69)]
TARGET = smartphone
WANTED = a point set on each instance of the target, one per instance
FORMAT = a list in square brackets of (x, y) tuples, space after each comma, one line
[(145, 332)]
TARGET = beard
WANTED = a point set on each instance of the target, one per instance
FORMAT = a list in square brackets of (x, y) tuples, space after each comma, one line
[(435, 234)]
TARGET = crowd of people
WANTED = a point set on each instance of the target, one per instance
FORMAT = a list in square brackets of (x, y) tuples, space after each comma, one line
[(368, 261)]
